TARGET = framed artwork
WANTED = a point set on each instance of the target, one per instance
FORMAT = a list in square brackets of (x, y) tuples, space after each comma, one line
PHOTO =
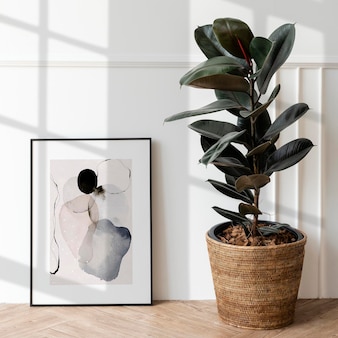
[(91, 222)]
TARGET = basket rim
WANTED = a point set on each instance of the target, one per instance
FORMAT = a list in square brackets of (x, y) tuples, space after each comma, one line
[(217, 241)]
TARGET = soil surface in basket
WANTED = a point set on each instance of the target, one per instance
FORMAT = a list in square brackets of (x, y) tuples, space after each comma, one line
[(235, 235)]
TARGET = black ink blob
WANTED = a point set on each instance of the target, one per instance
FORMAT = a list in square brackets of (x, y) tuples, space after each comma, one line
[(87, 181)]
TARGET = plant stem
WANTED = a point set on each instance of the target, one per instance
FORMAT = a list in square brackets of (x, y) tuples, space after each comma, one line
[(255, 220), (255, 162)]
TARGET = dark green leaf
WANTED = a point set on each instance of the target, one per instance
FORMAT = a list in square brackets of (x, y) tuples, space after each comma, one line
[(214, 151), (259, 49), (241, 98), (210, 108), (263, 123), (233, 216), (230, 179), (283, 39), (221, 82), (229, 162), (223, 66), (262, 147), (216, 129), (263, 107), (207, 42), (268, 230), (234, 35), (284, 120), (273, 228), (230, 191), (288, 155), (229, 151), (212, 128), (210, 46)]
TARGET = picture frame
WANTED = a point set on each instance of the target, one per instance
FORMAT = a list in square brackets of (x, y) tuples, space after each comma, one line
[(91, 222)]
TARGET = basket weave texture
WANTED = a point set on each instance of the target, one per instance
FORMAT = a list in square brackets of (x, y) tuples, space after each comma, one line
[(256, 287)]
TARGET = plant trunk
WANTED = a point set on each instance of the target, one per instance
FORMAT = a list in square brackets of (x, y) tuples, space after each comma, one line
[(255, 161), (255, 220)]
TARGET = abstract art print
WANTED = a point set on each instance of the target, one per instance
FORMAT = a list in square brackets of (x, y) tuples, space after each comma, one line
[(90, 221)]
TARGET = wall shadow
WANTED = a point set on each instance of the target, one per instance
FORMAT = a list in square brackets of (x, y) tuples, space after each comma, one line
[(163, 249)]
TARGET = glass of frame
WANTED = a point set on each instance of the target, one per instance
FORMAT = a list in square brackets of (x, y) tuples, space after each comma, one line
[(91, 222)]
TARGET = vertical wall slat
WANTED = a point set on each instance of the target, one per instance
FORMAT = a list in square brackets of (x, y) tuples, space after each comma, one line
[(309, 179), (286, 198)]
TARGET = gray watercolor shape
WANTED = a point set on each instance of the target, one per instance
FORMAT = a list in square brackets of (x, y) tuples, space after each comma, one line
[(103, 248)]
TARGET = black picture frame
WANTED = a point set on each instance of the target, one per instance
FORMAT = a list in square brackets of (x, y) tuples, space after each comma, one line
[(91, 222)]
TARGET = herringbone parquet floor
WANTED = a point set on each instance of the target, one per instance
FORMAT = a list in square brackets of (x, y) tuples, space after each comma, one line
[(172, 319)]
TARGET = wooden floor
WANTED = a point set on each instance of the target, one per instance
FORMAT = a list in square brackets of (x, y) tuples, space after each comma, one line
[(314, 318)]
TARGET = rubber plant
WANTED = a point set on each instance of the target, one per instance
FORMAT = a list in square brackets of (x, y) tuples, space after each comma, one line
[(239, 68)]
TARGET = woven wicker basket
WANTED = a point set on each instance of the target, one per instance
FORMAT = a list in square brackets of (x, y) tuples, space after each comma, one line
[(256, 287)]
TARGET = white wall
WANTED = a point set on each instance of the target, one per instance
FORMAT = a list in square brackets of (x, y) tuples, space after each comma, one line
[(107, 68)]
